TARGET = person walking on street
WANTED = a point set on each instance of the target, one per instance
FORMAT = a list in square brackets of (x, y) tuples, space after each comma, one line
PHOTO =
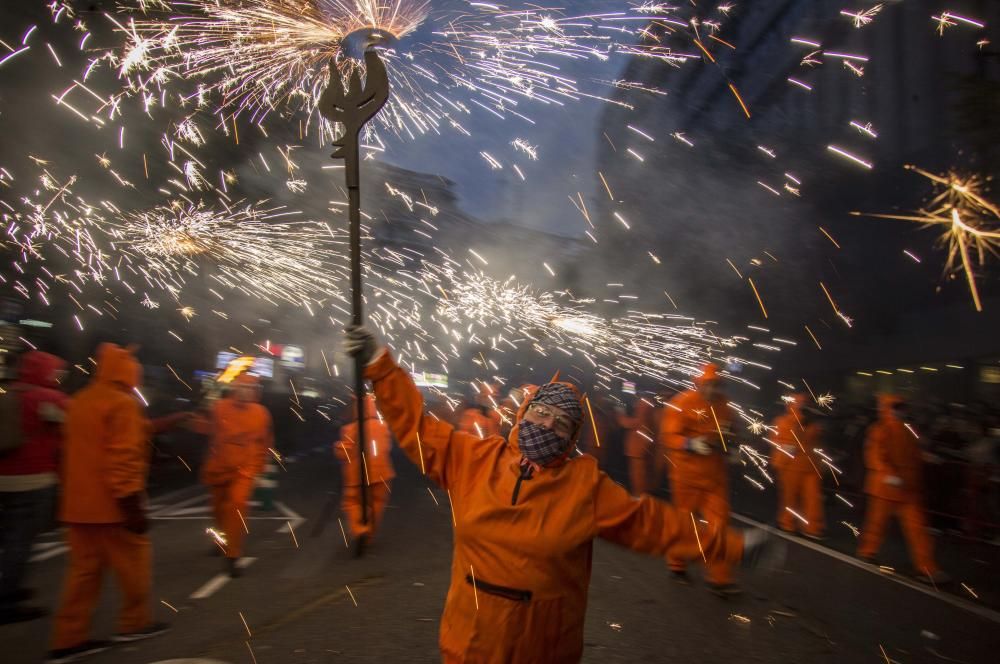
[(377, 474), (800, 486), (104, 468), (693, 429), (241, 434), (638, 443), (894, 484), (28, 474)]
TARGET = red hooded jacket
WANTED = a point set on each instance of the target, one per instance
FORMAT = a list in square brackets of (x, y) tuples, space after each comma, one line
[(41, 405)]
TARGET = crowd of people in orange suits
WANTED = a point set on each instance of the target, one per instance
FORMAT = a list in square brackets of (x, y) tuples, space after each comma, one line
[(94, 448)]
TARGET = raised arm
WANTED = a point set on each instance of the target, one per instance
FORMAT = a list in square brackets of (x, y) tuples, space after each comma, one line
[(431, 444)]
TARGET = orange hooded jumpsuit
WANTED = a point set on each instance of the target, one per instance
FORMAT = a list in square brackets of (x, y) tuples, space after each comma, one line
[(638, 441), (241, 434), (699, 483), (523, 547), (378, 471), (800, 486), (105, 457), (894, 485), (595, 445)]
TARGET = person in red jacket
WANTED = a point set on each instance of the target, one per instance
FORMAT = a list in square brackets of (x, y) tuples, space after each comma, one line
[(28, 476), (693, 429), (103, 505), (894, 485), (527, 510)]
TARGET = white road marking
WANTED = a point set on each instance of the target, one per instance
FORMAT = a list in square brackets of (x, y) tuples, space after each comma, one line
[(51, 553), (219, 580), (291, 515), (958, 602)]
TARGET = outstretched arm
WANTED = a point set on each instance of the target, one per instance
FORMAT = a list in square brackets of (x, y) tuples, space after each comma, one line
[(648, 525)]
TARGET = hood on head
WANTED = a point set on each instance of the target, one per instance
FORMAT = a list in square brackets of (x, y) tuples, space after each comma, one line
[(709, 373), (117, 365), (559, 394), (795, 403), (38, 368), (886, 403)]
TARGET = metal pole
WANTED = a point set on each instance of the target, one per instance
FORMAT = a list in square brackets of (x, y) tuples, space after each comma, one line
[(353, 107)]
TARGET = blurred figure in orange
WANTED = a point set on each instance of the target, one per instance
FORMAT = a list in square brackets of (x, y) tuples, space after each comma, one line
[(894, 485), (481, 420), (693, 430), (105, 462), (597, 425), (800, 487), (638, 443), (241, 434), (377, 471)]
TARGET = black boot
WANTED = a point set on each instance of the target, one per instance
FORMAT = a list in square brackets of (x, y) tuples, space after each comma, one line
[(234, 570)]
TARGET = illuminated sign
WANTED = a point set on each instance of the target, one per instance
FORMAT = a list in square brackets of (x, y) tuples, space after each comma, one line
[(628, 387), (262, 367), (293, 357), (424, 379)]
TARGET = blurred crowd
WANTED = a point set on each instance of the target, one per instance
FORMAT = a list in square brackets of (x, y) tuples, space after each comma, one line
[(933, 465)]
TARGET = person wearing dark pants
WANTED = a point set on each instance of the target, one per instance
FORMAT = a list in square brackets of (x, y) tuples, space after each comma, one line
[(28, 475)]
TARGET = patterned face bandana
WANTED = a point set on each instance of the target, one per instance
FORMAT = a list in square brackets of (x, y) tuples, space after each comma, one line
[(540, 444), (561, 396)]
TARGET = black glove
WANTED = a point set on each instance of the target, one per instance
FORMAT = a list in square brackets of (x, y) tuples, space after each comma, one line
[(135, 513), (360, 342)]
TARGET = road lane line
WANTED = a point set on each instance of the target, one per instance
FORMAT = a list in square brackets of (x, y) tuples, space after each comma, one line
[(51, 553), (957, 602), (219, 580)]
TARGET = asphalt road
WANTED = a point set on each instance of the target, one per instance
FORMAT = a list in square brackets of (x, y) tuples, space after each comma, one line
[(303, 600)]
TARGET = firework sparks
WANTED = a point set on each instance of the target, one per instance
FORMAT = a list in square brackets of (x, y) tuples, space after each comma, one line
[(254, 249), (971, 222), (949, 20), (863, 17)]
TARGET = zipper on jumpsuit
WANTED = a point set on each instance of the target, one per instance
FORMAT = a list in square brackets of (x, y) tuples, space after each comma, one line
[(526, 472)]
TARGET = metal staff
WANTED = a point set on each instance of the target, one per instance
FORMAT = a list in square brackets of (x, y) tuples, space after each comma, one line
[(353, 107)]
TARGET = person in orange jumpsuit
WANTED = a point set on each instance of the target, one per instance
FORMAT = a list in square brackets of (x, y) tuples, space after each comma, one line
[(105, 462), (800, 486), (527, 510), (638, 443), (692, 430), (595, 434), (481, 420), (241, 434), (894, 485), (378, 474)]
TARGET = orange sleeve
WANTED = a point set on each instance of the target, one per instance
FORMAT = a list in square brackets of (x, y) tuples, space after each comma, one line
[(265, 442), (627, 422), (876, 454), (344, 448), (648, 525), (779, 460), (125, 451), (465, 421), (431, 444), (672, 434)]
